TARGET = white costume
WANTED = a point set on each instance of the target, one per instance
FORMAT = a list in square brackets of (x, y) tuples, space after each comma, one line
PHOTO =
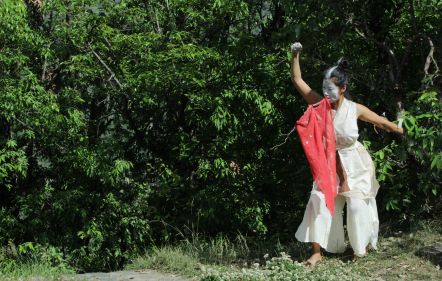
[(362, 218)]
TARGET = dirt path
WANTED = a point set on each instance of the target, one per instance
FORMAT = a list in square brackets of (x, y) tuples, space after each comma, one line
[(128, 275)]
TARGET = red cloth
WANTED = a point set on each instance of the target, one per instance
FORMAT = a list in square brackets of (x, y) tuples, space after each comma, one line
[(316, 131)]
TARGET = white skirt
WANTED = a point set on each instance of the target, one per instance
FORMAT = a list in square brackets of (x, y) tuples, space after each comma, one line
[(319, 226)]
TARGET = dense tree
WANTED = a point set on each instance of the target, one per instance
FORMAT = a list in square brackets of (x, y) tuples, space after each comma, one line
[(125, 123)]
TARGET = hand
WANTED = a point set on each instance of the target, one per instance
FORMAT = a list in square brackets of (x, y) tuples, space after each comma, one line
[(343, 186), (296, 48)]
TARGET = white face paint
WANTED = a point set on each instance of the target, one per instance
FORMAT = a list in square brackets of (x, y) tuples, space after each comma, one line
[(330, 90)]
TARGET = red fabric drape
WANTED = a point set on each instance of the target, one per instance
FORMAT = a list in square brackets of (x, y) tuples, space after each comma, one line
[(316, 131)]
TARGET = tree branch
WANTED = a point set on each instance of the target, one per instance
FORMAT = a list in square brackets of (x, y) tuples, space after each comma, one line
[(113, 76), (394, 71), (125, 107), (430, 58), (286, 138)]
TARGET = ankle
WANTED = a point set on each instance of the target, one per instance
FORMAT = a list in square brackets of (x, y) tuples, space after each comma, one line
[(316, 256)]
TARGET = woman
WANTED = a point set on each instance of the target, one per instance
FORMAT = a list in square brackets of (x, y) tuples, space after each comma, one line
[(355, 170)]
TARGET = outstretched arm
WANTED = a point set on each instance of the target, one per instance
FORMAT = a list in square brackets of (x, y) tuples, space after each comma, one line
[(308, 94), (367, 115)]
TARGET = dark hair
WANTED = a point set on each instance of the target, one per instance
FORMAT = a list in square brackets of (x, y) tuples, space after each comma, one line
[(339, 71)]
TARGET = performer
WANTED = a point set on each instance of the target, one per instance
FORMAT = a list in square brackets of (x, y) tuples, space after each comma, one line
[(357, 184)]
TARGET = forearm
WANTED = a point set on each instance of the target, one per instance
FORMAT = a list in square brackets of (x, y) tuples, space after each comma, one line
[(391, 127), (295, 68), (367, 115)]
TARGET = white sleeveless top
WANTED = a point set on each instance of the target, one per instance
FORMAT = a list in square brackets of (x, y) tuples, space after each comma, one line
[(345, 123), (355, 159)]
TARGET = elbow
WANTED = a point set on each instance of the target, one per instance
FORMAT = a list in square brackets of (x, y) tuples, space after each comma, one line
[(296, 80), (382, 125)]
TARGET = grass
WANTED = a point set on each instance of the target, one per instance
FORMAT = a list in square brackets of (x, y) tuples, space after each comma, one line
[(32, 262), (251, 259), (169, 259), (396, 256), (254, 260), (32, 270)]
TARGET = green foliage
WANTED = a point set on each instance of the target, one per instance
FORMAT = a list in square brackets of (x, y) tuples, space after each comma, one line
[(424, 129), (123, 123), (411, 168), (13, 163), (425, 145), (30, 260)]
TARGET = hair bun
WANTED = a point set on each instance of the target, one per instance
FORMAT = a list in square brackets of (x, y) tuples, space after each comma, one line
[(343, 64)]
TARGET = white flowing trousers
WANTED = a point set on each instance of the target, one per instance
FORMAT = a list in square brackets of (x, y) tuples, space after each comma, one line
[(319, 226)]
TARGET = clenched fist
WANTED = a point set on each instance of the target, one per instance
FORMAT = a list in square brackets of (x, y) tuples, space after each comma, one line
[(296, 47)]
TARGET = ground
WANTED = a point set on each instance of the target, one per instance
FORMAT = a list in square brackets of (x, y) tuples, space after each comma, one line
[(128, 275)]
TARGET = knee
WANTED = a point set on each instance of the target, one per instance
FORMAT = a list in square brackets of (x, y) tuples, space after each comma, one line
[(355, 206)]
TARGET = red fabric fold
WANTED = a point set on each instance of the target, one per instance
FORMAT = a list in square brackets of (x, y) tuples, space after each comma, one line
[(316, 131)]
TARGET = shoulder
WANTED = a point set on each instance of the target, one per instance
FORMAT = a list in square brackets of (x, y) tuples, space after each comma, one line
[(353, 106)]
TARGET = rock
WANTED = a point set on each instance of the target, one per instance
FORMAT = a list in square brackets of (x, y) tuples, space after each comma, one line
[(433, 253)]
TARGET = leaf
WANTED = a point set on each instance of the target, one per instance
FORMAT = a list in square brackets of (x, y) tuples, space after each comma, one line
[(436, 162), (381, 154)]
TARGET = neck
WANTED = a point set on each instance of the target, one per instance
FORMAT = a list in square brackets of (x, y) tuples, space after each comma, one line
[(338, 103)]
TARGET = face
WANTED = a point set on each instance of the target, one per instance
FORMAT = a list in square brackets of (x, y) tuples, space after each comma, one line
[(330, 90)]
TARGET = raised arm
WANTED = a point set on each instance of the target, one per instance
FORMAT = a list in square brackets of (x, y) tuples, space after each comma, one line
[(308, 94), (367, 115)]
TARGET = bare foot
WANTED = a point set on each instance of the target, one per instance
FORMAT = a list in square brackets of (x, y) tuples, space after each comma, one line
[(313, 260)]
